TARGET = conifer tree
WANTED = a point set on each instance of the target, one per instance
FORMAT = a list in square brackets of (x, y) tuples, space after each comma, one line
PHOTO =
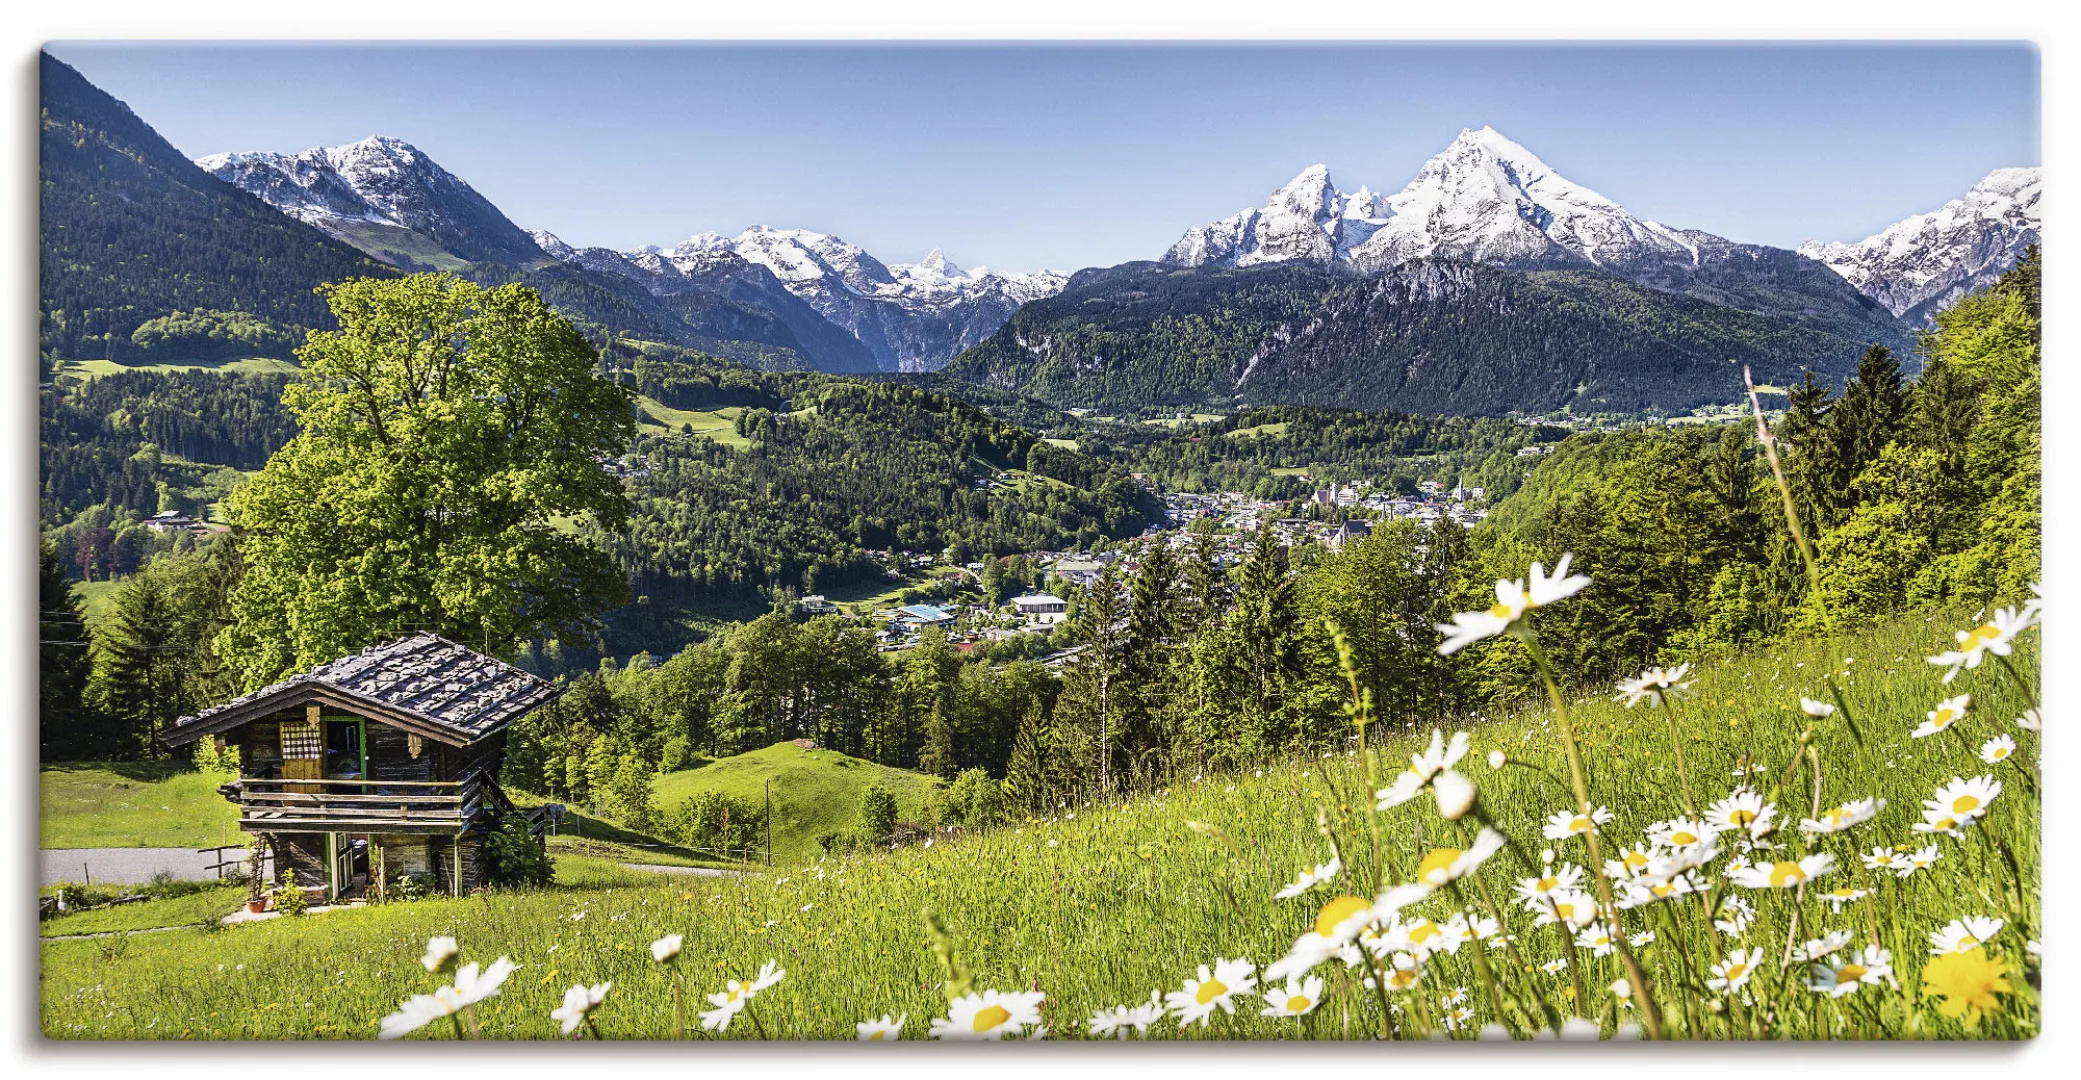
[(1087, 715), (1026, 780), (63, 664), (936, 757)]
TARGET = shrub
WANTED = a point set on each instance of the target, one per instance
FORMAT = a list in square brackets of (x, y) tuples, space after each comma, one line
[(973, 800), (512, 857), (713, 821), (877, 811), (289, 898)]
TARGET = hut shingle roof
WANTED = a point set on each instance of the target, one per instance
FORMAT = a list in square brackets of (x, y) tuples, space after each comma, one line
[(424, 678)]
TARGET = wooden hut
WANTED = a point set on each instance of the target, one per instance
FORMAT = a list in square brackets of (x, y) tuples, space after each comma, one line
[(395, 749)]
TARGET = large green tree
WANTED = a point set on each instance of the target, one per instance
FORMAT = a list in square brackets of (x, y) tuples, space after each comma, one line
[(446, 431)]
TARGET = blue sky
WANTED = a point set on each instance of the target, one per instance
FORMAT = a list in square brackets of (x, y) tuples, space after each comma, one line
[(1064, 156)]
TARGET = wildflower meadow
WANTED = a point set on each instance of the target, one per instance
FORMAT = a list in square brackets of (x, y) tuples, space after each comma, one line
[(1835, 839)]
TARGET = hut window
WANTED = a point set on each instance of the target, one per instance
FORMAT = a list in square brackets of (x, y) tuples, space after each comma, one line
[(301, 741)]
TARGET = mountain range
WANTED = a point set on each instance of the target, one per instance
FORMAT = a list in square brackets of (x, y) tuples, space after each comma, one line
[(1486, 247), (771, 297), (1917, 266)]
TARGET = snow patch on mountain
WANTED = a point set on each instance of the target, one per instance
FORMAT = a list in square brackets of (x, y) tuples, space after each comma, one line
[(1920, 264), (378, 181), (911, 316)]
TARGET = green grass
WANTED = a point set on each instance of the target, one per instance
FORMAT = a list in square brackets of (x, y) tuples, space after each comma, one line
[(132, 804), (1261, 431), (256, 365), (1099, 906), (210, 904), (814, 791), (720, 425), (1066, 444), (94, 597)]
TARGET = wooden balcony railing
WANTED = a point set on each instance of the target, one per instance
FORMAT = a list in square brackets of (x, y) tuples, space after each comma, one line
[(391, 806)]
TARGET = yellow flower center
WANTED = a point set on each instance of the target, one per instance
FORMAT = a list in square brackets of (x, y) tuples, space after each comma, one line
[(1209, 990), (1846, 893), (1785, 873), (1436, 867), (1423, 931), (1849, 973), (2000, 752), (1965, 804), (1401, 978), (879, 1036), (1336, 911), (1734, 971), (1499, 611), (1979, 637), (1546, 884), (1297, 1003), (1637, 859), (1663, 889), (1565, 911), (991, 1016), (1742, 817), (1943, 718), (1947, 824), (1681, 838), (1580, 824)]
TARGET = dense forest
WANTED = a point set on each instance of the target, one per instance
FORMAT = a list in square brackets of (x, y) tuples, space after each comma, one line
[(133, 231), (836, 467), (1428, 336)]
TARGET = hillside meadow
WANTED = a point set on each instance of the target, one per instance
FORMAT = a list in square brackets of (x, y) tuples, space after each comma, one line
[(1099, 906)]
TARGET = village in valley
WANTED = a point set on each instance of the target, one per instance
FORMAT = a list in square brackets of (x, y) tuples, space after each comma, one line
[(1330, 518)]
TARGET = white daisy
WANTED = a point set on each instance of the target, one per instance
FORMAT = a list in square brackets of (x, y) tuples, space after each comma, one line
[(1947, 712), (1921, 859), (1563, 824), (1297, 998), (1597, 938), (1997, 750), (1959, 935), (1883, 858), (1743, 811), (1575, 909), (1216, 989), (991, 1015), (2030, 720), (1958, 804), (1733, 973), (1871, 967), (1336, 925), (1654, 685), (1850, 814), (579, 1002), (1819, 710), (441, 953), (1121, 1019), (1533, 891), (1993, 636), (1514, 599), (1424, 766), (1785, 875), (882, 1030), (470, 987), (1438, 869), (1824, 946), (1311, 878), (666, 949)]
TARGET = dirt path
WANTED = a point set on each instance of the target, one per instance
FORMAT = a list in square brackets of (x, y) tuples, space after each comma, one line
[(688, 871)]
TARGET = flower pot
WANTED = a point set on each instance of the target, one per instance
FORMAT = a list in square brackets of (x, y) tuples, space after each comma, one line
[(256, 906)]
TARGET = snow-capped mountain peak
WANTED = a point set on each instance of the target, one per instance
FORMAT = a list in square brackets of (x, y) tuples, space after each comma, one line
[(1484, 197), (1920, 264), (382, 182)]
